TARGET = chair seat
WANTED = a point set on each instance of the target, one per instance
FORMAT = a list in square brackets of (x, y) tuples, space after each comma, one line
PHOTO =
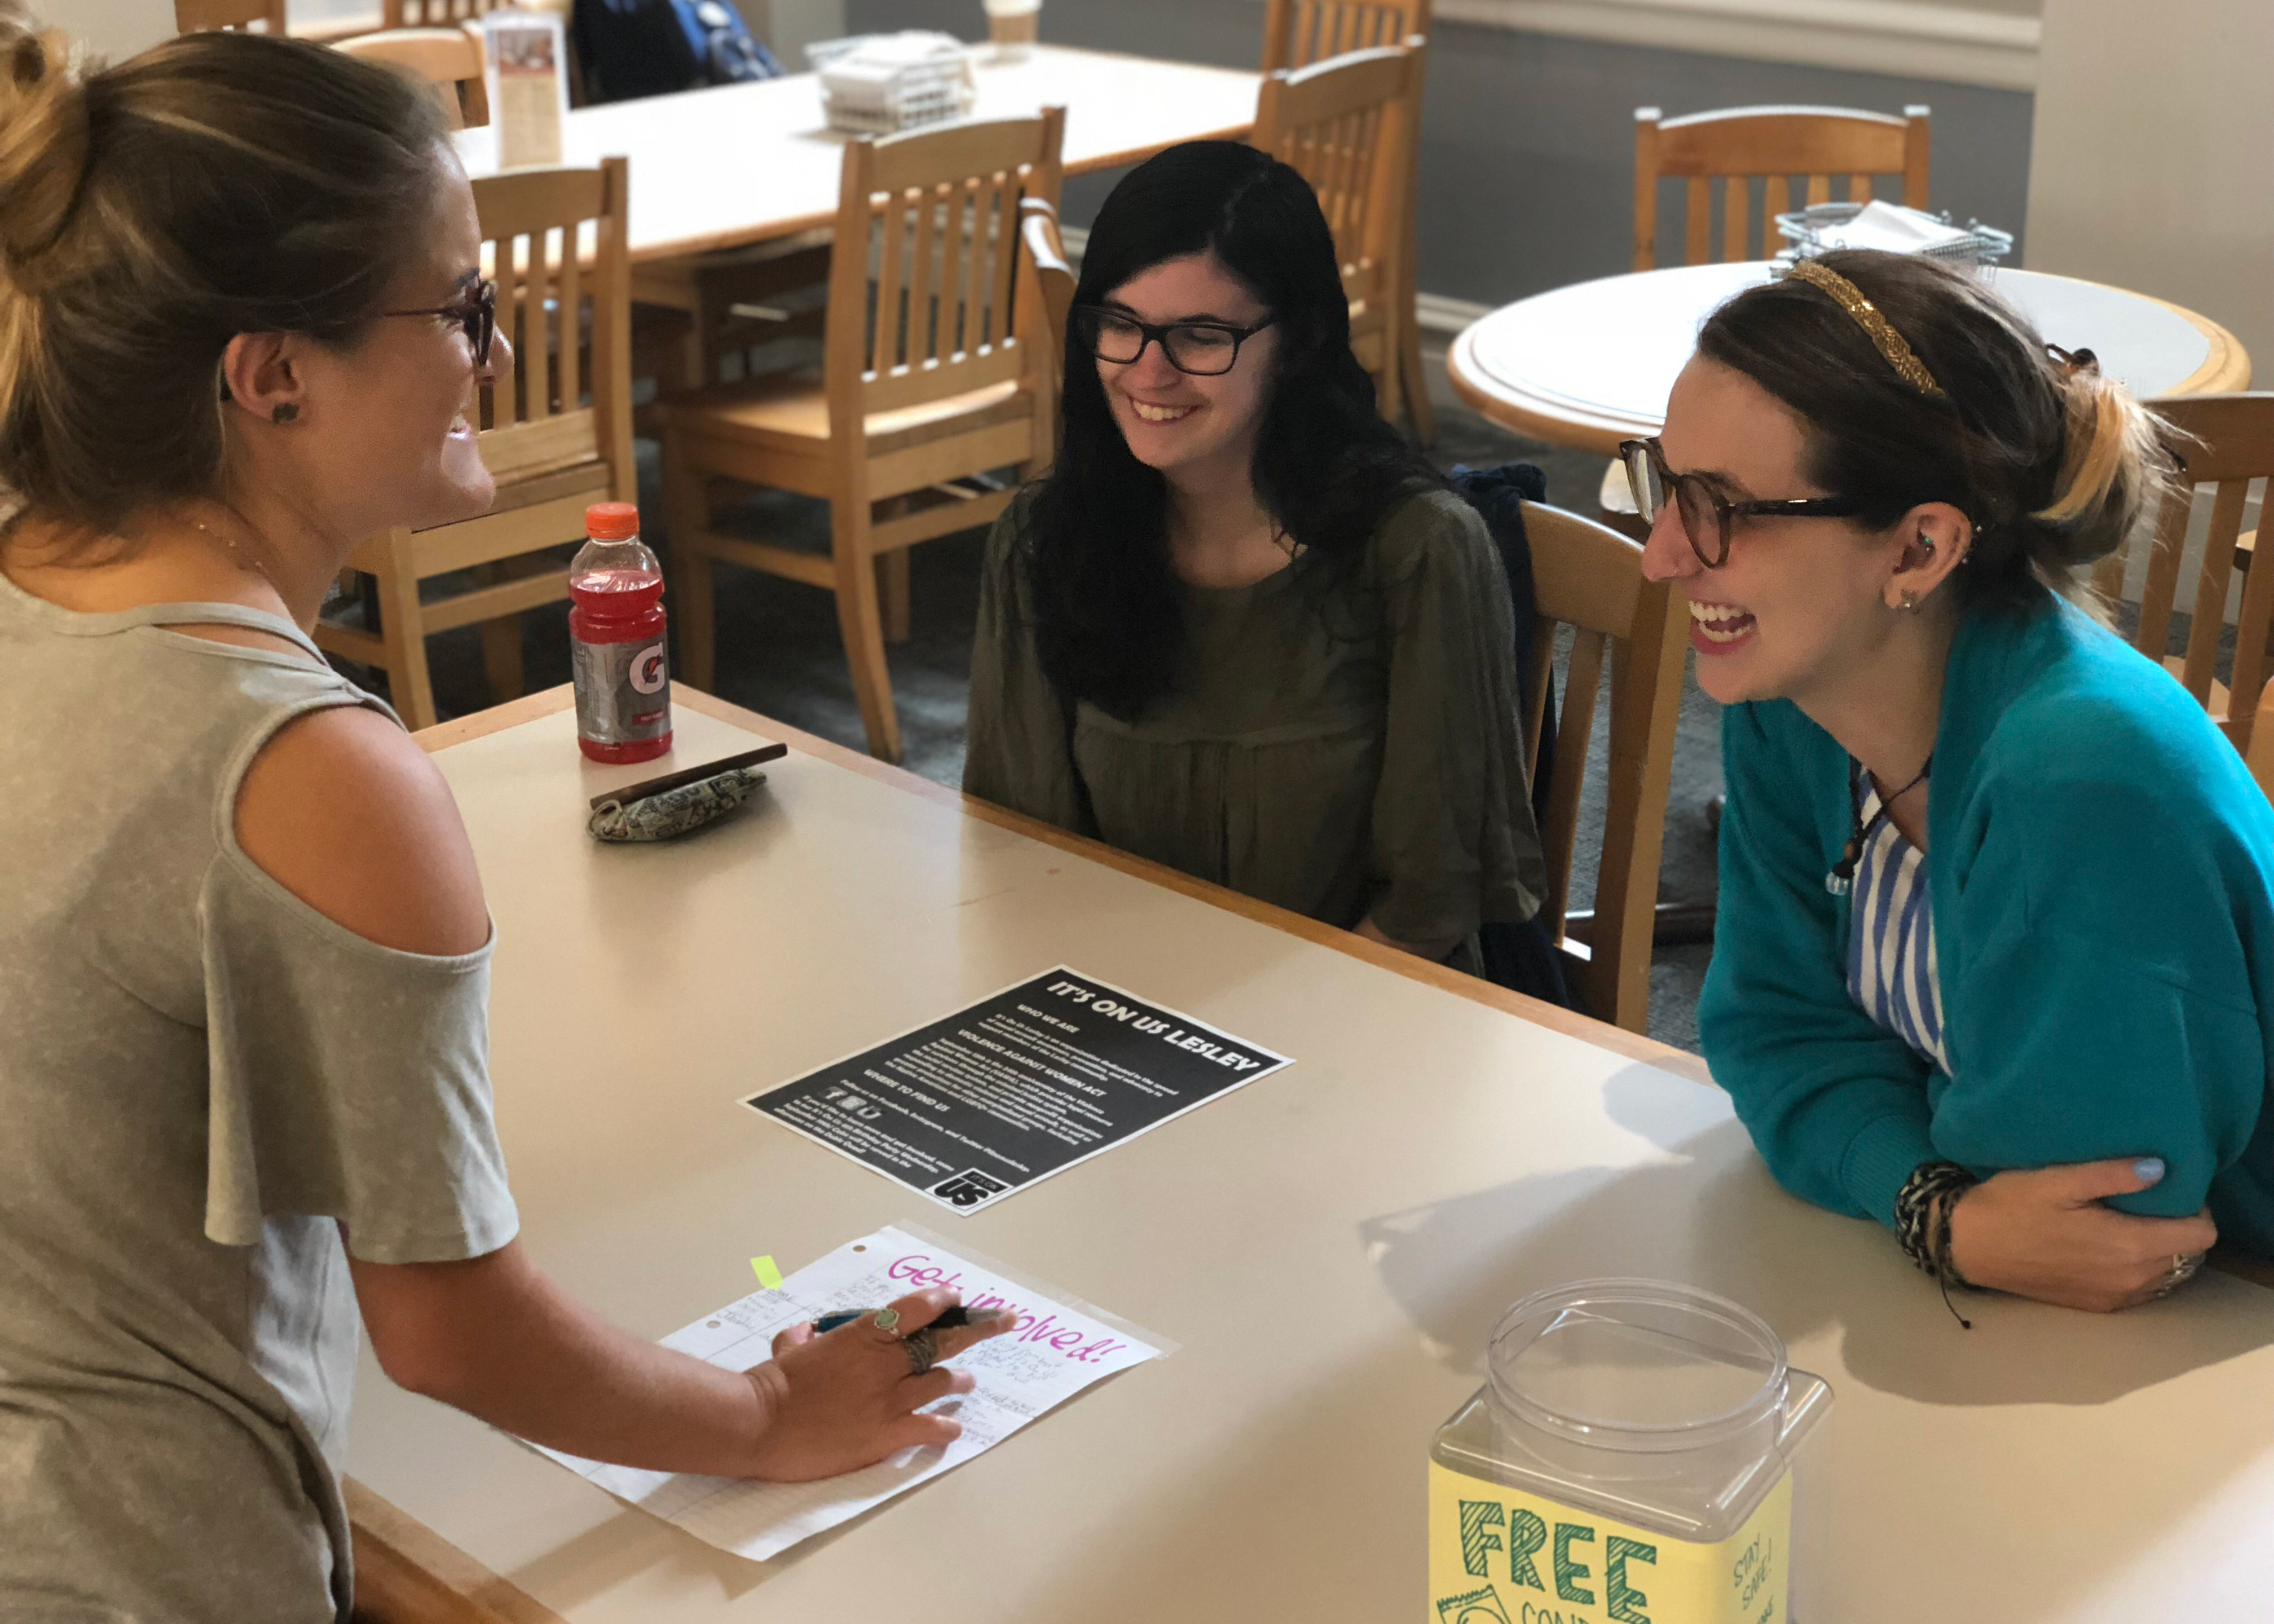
[(791, 415)]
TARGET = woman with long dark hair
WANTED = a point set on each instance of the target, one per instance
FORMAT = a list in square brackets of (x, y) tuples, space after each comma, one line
[(1243, 629)]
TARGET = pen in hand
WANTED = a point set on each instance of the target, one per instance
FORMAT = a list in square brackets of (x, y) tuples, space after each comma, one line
[(950, 1319)]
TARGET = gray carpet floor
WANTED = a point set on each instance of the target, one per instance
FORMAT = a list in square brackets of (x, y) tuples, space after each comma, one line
[(779, 654)]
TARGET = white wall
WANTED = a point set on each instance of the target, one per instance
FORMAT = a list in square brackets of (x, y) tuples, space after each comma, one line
[(2152, 163), (789, 26), (113, 28)]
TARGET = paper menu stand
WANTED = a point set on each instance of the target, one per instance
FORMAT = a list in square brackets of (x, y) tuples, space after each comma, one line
[(528, 94)]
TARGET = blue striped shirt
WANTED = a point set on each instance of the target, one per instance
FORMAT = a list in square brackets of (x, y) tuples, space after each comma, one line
[(1891, 968)]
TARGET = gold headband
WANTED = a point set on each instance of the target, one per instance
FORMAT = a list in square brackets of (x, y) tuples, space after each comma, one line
[(1876, 326)]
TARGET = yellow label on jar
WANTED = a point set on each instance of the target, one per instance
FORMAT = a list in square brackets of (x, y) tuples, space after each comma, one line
[(1498, 1555)]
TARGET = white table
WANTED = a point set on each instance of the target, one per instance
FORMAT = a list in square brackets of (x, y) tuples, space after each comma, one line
[(739, 164), (1592, 363), (1330, 1245)]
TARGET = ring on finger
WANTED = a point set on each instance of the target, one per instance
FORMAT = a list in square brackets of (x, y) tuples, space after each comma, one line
[(922, 1349), (888, 1321), (2184, 1266)]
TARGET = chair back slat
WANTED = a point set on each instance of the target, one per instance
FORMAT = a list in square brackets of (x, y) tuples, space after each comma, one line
[(1298, 33), (230, 16), (1044, 282), (2224, 443), (2200, 668), (1727, 151), (1345, 126), (923, 289), (436, 13), (1589, 578), (2250, 674), (1045, 257)]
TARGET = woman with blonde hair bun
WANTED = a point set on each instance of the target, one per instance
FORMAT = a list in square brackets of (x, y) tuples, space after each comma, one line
[(244, 953), (1994, 961)]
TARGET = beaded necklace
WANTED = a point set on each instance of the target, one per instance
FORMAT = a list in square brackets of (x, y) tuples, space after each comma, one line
[(1841, 880)]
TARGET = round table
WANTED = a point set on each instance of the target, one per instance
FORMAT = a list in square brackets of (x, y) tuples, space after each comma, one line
[(1592, 364)]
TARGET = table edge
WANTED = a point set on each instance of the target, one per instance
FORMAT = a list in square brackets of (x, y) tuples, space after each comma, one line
[(1558, 425), (1571, 1023), (2227, 366), (404, 1570)]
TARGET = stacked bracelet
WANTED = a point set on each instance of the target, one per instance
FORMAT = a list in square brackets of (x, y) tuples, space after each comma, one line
[(1922, 1210)]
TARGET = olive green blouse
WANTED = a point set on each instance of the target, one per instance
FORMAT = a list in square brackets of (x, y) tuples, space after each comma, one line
[(1342, 746)]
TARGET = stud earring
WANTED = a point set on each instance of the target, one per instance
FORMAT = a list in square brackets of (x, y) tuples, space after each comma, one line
[(1927, 544), (1910, 602), (286, 413)]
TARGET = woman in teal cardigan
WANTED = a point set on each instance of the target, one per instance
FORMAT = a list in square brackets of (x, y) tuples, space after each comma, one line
[(1995, 956)]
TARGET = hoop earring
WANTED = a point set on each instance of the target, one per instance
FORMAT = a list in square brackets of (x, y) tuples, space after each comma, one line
[(286, 413)]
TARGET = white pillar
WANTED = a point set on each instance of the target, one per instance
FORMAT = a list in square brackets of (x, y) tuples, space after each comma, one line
[(112, 28), (2152, 165), (789, 26)]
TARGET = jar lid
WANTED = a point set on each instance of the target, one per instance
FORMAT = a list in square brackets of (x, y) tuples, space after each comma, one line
[(1641, 1365)]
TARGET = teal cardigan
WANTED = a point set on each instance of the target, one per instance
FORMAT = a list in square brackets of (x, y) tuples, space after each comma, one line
[(2101, 865)]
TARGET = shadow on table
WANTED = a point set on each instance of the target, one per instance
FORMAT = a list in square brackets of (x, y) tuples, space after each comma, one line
[(1715, 1219)]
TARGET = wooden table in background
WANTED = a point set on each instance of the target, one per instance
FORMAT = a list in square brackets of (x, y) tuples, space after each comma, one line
[(739, 164), (1592, 364), (1330, 1245)]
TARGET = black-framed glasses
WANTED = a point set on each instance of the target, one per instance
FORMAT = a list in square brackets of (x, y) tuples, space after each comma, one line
[(475, 311), (1202, 349), (1707, 517)]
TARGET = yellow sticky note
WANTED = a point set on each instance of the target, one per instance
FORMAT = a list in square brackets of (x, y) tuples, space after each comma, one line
[(769, 1276)]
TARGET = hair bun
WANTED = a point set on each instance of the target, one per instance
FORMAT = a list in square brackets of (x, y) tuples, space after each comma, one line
[(43, 137)]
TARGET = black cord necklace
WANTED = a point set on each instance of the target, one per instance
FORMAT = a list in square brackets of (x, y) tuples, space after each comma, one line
[(1841, 880)]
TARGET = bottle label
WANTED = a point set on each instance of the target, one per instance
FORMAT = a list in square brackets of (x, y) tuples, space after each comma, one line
[(1499, 1555), (624, 690)]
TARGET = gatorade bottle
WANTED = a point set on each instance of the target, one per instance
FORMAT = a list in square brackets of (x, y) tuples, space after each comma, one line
[(624, 674)]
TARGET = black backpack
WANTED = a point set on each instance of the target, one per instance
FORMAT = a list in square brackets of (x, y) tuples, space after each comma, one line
[(628, 49)]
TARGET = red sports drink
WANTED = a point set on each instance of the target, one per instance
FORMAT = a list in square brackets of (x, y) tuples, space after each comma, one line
[(622, 670)]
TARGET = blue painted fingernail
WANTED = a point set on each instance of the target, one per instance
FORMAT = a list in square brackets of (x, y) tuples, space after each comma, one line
[(2148, 1169)]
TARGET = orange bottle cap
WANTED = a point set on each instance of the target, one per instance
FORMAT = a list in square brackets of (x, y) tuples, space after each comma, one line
[(612, 521)]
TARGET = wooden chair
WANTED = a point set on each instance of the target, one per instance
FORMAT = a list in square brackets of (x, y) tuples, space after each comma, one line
[(2224, 441), (1590, 578), (932, 377), (558, 435), (1298, 33), (226, 16), (1347, 123), (2259, 755), (1777, 144), (450, 59)]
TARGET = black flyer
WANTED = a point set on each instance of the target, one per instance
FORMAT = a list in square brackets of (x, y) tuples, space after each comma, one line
[(1005, 1092)]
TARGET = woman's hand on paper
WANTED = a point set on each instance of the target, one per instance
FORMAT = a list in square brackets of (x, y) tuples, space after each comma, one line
[(844, 1401), (2046, 1234)]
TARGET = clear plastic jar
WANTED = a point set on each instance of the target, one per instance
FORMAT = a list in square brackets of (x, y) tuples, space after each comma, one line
[(1642, 1454)]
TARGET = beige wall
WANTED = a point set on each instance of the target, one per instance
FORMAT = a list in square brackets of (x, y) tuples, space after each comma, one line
[(2153, 161), (112, 28)]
